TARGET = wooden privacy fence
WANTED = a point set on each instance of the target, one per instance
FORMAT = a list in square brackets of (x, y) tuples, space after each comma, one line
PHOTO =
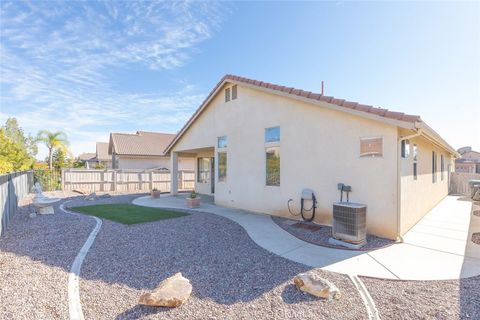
[(459, 182), (13, 187), (89, 180)]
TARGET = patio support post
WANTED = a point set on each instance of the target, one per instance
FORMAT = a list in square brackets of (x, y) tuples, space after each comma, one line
[(173, 173)]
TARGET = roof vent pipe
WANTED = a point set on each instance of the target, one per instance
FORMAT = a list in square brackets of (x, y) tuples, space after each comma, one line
[(322, 88)]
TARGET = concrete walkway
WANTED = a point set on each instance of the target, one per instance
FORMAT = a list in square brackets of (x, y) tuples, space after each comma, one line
[(432, 249)]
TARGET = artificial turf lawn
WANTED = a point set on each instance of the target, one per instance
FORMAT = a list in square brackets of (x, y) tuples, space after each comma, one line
[(127, 213)]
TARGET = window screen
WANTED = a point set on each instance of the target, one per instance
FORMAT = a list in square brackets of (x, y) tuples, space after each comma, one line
[(272, 166), (227, 94), (222, 142), (405, 148), (371, 147), (234, 92), (222, 166), (203, 165), (272, 134), (442, 166)]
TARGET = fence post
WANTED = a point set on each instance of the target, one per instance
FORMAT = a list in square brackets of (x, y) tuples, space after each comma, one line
[(63, 179), (102, 181), (114, 177), (151, 180)]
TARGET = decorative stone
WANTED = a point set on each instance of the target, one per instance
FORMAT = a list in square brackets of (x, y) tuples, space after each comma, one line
[(92, 196), (476, 238), (476, 196), (317, 286), (105, 196), (171, 292), (32, 215), (46, 210)]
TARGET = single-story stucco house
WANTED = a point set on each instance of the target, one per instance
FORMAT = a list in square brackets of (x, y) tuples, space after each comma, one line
[(143, 150), (469, 161), (102, 155), (90, 159), (256, 145)]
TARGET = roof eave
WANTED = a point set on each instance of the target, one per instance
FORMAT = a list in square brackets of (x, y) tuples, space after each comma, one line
[(433, 135), (225, 79)]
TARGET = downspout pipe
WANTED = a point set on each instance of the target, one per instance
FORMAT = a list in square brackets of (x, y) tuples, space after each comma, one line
[(418, 132)]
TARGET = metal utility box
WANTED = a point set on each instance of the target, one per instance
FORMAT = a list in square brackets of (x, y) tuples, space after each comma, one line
[(350, 222)]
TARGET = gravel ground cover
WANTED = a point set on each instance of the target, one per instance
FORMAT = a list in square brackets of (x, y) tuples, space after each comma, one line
[(450, 299), (319, 234), (35, 257), (232, 277)]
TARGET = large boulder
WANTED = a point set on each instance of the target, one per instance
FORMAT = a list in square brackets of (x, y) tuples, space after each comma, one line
[(476, 196), (171, 292), (313, 284)]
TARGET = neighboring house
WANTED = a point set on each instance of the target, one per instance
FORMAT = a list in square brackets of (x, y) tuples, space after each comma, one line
[(90, 159), (469, 161), (102, 155), (257, 145), (143, 150)]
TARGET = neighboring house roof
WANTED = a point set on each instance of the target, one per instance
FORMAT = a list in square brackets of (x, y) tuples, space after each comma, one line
[(102, 152), (391, 117), (87, 156), (142, 143), (470, 156)]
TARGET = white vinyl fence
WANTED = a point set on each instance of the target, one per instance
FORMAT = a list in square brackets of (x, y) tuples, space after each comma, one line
[(89, 180), (459, 182), (13, 187)]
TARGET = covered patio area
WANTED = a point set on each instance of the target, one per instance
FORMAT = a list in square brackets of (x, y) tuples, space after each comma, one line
[(204, 169)]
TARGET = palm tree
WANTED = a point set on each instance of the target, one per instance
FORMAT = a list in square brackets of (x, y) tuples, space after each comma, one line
[(53, 141)]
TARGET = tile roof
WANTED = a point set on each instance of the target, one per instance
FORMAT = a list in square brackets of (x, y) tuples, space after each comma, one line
[(102, 151), (318, 97), (142, 143), (385, 113), (87, 156)]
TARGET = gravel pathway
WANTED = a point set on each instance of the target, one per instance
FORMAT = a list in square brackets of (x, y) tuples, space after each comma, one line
[(35, 258), (319, 234), (232, 277), (450, 299)]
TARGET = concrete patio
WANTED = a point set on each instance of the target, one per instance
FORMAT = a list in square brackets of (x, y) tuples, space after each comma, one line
[(437, 248)]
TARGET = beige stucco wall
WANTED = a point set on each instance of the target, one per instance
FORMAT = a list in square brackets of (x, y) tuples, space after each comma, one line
[(319, 148), (150, 163), (421, 195)]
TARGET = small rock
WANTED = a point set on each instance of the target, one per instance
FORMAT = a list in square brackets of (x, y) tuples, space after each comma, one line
[(476, 197), (105, 196), (92, 196), (171, 292), (315, 285), (32, 215)]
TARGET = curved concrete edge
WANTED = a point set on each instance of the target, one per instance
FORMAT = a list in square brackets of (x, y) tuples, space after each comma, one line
[(367, 299), (397, 262), (74, 304)]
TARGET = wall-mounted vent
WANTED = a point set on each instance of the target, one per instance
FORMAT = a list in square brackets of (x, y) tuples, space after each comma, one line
[(371, 147), (350, 222)]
